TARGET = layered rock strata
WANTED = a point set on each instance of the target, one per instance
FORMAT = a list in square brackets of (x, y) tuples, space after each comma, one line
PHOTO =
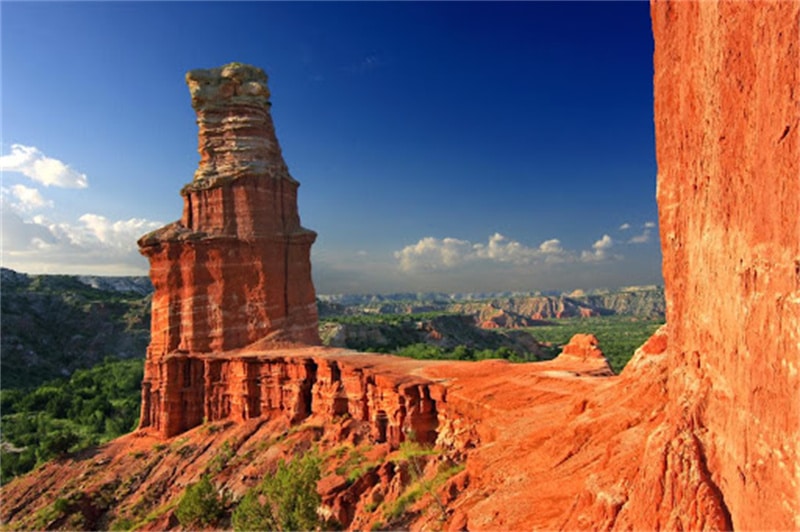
[(390, 405), (235, 269)]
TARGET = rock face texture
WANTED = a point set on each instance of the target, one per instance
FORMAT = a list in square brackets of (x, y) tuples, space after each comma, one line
[(296, 383), (727, 117), (235, 269)]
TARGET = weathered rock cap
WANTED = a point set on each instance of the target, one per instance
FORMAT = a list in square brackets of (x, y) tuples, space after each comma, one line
[(584, 346), (234, 83)]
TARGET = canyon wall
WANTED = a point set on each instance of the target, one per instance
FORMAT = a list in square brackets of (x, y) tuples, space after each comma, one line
[(235, 269), (727, 119)]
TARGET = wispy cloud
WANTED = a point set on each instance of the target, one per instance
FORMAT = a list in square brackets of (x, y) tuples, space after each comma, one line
[(645, 236), (625, 226), (641, 239), (34, 164), (25, 199), (369, 62)]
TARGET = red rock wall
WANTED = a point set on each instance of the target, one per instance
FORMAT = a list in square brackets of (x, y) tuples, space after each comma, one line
[(720, 407), (218, 294), (296, 386), (727, 118)]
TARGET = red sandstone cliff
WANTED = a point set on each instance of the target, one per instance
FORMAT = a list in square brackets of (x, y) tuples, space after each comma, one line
[(700, 431), (727, 117)]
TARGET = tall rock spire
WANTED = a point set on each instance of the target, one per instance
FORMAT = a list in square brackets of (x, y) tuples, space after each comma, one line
[(235, 270)]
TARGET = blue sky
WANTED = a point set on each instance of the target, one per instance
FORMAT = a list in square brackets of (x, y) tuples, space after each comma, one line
[(440, 146)]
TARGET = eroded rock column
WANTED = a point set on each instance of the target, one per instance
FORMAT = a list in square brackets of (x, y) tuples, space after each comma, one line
[(235, 269)]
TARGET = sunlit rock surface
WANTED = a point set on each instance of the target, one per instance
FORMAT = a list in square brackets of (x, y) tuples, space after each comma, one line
[(235, 269), (727, 118)]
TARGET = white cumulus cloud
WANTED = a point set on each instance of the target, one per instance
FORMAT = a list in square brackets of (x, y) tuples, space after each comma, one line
[(95, 230), (433, 254), (32, 163), (604, 243), (501, 249), (92, 245), (552, 246), (430, 254), (600, 250), (625, 226), (649, 225)]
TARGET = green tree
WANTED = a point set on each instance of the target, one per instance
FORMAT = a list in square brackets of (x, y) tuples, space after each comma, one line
[(290, 499), (463, 352), (250, 514), (90, 407), (58, 443), (9, 400), (200, 504), (505, 353), (13, 463)]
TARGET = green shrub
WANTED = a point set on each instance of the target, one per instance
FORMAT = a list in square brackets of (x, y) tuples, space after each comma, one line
[(220, 461), (122, 524), (290, 499), (61, 505), (200, 504), (58, 443), (250, 514)]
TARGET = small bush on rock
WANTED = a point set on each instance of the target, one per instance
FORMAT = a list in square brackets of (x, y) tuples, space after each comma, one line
[(250, 514), (200, 504), (290, 499)]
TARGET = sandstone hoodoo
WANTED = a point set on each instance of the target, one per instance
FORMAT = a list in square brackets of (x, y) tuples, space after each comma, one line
[(235, 269)]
